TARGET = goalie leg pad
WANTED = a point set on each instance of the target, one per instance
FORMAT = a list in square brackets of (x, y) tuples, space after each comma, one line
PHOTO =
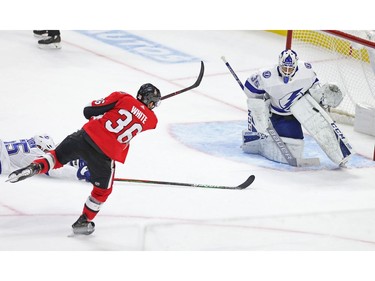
[(270, 150), (323, 129), (266, 146), (250, 142), (258, 114)]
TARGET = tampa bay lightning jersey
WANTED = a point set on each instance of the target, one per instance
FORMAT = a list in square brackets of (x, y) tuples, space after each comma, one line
[(282, 95), (17, 154)]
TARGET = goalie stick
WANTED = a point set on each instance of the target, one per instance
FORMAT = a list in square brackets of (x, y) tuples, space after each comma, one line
[(196, 84), (243, 185), (296, 162)]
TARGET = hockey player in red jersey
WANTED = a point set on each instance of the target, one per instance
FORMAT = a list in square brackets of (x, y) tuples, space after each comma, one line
[(104, 139)]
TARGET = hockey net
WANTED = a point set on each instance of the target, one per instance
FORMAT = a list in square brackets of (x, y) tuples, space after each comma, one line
[(344, 57)]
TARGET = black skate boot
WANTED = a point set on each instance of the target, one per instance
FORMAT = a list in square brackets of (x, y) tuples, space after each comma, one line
[(40, 33), (24, 173), (52, 42), (83, 226)]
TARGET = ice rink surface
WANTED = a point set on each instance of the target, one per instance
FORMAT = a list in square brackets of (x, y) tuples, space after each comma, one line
[(286, 209)]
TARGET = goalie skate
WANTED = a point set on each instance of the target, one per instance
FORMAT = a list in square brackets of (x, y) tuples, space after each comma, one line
[(24, 173), (83, 226)]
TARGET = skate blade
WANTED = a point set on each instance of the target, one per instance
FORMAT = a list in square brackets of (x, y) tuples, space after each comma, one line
[(76, 235), (50, 46), (86, 230), (24, 174), (43, 36), (80, 234)]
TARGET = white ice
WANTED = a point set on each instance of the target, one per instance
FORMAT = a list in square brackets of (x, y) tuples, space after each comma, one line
[(284, 210)]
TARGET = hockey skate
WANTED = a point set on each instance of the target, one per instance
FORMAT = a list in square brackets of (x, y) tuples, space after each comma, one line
[(52, 42), (24, 173), (40, 33), (83, 226)]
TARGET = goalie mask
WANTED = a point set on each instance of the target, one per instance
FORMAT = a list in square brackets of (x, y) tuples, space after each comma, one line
[(44, 142), (149, 95), (288, 61)]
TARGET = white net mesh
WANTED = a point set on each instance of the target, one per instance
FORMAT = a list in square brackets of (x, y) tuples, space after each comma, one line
[(339, 60)]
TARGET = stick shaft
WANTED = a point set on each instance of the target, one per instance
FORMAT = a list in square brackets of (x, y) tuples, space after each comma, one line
[(243, 185), (233, 73), (196, 84)]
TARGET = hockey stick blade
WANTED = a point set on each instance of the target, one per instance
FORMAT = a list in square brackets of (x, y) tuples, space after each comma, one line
[(307, 162), (196, 84), (243, 185)]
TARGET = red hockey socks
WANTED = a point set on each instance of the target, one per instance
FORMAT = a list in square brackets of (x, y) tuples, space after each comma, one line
[(94, 202)]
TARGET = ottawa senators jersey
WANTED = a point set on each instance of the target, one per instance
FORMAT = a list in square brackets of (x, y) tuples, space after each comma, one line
[(115, 120)]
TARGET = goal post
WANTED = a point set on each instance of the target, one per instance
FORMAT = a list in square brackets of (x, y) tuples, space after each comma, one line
[(344, 57)]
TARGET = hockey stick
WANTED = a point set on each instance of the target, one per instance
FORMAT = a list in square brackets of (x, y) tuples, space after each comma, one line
[(296, 162), (243, 185), (196, 84), (233, 73)]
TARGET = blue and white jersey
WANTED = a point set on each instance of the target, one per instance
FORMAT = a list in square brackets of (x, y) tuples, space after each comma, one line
[(17, 154), (20, 153), (269, 81)]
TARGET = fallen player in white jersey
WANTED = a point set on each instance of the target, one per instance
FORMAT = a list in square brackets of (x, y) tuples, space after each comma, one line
[(20, 153), (283, 97)]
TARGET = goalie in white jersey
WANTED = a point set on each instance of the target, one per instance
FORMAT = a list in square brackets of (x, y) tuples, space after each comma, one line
[(282, 98), (17, 154)]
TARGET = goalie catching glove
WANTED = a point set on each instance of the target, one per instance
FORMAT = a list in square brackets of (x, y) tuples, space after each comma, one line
[(329, 95)]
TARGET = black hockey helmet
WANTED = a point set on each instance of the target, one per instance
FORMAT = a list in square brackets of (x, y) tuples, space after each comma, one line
[(149, 95)]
